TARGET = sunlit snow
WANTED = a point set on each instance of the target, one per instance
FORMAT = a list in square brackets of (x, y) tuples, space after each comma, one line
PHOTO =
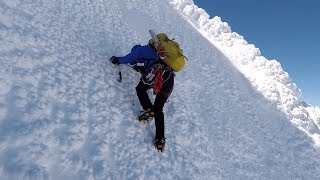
[(233, 114)]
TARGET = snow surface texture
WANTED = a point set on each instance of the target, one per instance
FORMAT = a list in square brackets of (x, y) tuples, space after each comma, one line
[(267, 76), (63, 114)]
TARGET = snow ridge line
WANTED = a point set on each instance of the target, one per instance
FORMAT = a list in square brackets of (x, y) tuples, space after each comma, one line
[(267, 76)]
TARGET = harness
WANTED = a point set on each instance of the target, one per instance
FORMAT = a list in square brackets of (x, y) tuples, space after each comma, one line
[(157, 76)]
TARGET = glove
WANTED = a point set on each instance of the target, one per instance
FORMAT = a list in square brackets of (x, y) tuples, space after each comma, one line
[(115, 60)]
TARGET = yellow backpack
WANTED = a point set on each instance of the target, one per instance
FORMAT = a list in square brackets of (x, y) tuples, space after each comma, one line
[(169, 51)]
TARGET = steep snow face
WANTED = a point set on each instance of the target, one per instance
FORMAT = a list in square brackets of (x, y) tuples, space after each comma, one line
[(63, 114), (267, 76)]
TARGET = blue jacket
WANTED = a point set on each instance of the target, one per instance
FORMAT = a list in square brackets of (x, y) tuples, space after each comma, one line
[(141, 58)]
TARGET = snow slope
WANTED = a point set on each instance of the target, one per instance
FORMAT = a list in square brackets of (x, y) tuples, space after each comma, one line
[(63, 115)]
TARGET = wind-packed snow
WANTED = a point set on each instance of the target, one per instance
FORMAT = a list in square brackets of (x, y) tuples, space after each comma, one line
[(64, 115)]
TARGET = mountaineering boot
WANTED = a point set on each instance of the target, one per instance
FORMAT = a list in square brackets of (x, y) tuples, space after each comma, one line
[(146, 115), (159, 144)]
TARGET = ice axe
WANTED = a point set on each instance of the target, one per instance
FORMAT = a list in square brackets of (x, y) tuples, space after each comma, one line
[(119, 73)]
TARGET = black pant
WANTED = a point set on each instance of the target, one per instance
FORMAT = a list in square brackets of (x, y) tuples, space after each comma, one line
[(159, 102)]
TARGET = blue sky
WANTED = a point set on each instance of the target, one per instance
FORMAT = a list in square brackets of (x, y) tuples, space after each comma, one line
[(284, 30)]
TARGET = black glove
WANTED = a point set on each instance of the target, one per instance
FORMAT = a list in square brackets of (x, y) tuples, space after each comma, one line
[(115, 60)]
